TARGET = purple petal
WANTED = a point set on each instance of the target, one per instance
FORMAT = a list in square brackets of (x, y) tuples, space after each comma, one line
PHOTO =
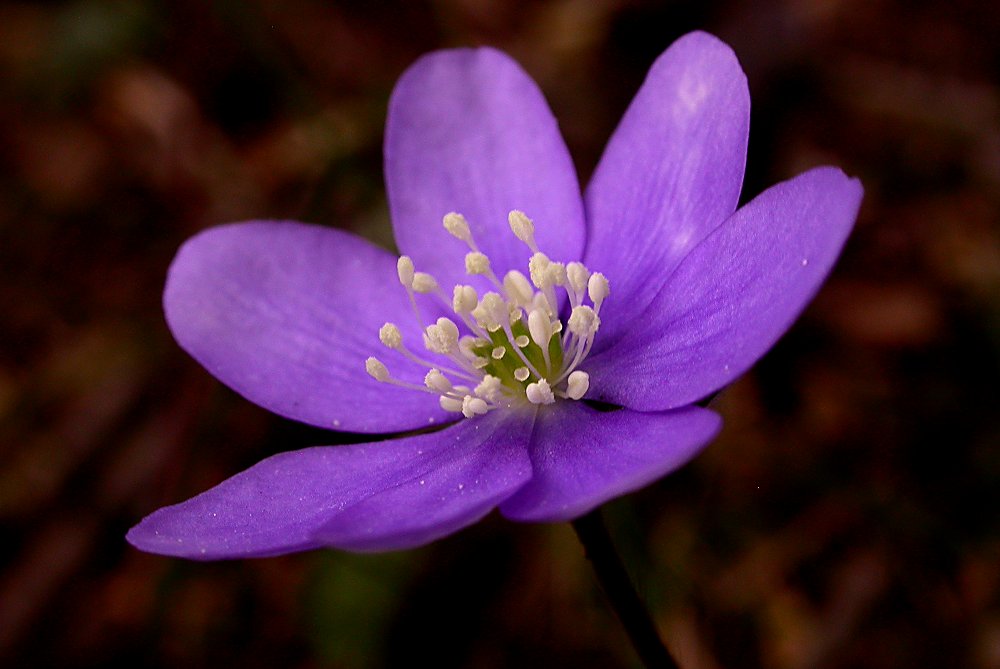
[(582, 457), (670, 175), (286, 314), (732, 297), (378, 496), (469, 131)]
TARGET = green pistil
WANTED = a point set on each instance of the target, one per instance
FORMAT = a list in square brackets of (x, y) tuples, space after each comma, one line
[(504, 368)]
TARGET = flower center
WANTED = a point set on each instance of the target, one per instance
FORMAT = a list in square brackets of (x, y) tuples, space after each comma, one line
[(515, 349)]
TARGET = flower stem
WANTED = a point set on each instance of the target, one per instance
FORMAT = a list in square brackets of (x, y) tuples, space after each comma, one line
[(618, 588)]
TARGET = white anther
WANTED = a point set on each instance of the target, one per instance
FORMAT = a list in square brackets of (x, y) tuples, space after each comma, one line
[(539, 392), (476, 263), (450, 404), (466, 345), (491, 312), (458, 226), (465, 299), (555, 274), (578, 276), (518, 290), (404, 268), (521, 373), (536, 268), (480, 363), (489, 388), (540, 327), (577, 384), (583, 321), (473, 406), (598, 288), (375, 367), (521, 341), (523, 228), (424, 283), (498, 352), (441, 337), (390, 336), (435, 380)]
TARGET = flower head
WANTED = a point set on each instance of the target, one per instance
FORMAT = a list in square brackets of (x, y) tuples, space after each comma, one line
[(516, 303)]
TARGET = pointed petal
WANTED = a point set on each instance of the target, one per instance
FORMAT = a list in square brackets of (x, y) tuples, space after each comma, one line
[(379, 496), (286, 314), (732, 297), (582, 457), (671, 173), (469, 131)]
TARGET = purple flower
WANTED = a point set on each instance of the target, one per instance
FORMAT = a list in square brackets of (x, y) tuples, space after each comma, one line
[(289, 315)]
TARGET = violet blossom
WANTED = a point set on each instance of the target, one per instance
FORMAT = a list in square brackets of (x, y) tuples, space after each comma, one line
[(649, 292)]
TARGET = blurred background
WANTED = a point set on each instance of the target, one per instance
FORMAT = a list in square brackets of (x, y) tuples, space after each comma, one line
[(848, 515)]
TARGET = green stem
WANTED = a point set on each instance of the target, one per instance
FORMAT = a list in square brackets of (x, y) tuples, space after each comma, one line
[(618, 588)]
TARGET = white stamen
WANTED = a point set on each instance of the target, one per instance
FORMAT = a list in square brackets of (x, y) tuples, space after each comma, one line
[(477, 264), (539, 392), (458, 226), (450, 404), (518, 289), (465, 299), (583, 321), (490, 388), (521, 341), (473, 406), (598, 289), (523, 228), (521, 373), (578, 276), (540, 327), (536, 268), (377, 370), (577, 384), (442, 337), (404, 268), (498, 352), (435, 380), (424, 283), (390, 336)]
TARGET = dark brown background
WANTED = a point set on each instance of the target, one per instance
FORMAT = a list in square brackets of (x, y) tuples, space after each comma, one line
[(847, 516)]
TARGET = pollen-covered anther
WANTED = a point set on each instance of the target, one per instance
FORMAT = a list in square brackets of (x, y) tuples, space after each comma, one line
[(376, 369), (536, 268), (577, 385), (404, 269), (390, 336), (539, 392), (490, 388), (435, 380), (521, 341), (464, 299), (457, 226), (477, 264), (424, 283), (454, 400), (523, 228), (474, 406), (577, 276), (442, 337), (522, 374), (498, 352), (583, 321)]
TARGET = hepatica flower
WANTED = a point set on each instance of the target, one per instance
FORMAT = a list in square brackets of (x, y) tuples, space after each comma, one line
[(556, 344)]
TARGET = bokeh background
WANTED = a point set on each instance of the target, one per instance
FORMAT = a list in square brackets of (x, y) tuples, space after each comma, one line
[(847, 516)]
